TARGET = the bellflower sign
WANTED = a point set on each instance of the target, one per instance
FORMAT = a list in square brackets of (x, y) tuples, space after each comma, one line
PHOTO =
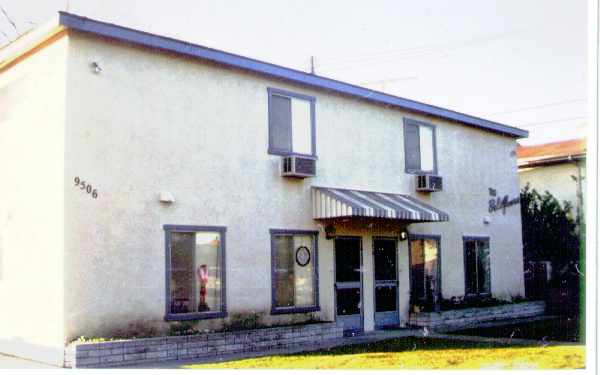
[(497, 203)]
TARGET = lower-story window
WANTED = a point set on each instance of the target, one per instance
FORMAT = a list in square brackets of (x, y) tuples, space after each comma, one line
[(195, 272), (477, 266), (425, 288), (294, 271)]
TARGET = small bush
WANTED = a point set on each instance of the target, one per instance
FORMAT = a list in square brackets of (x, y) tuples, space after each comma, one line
[(183, 328), (457, 303), (243, 321), (84, 339)]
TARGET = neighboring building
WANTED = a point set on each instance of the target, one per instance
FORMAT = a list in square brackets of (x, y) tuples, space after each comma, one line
[(557, 167), (142, 185)]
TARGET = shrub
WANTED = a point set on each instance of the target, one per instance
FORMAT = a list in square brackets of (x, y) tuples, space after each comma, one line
[(459, 302), (243, 321), (183, 328)]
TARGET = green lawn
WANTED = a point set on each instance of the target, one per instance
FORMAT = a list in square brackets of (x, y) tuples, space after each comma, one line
[(420, 353)]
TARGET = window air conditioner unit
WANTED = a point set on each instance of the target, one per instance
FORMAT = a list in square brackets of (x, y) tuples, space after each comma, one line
[(298, 166), (428, 183)]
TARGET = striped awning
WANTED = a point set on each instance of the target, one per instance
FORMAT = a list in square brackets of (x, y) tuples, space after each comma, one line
[(331, 203)]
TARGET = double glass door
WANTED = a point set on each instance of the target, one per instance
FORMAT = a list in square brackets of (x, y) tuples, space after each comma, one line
[(348, 283)]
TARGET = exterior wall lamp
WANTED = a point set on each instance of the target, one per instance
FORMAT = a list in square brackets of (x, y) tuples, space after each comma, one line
[(166, 197), (403, 234), (329, 232)]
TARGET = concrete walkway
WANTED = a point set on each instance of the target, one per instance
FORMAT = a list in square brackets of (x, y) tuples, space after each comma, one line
[(10, 362), (501, 340)]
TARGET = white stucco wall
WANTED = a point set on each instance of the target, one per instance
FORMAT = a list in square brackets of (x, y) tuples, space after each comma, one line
[(556, 179), (152, 122), (32, 109)]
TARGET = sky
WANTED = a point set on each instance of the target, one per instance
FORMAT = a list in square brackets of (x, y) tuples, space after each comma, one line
[(518, 62)]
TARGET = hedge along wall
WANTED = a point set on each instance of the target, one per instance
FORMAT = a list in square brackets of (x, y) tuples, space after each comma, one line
[(202, 346), (466, 317)]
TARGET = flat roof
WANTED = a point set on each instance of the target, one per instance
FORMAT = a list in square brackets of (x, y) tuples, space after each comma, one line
[(128, 35)]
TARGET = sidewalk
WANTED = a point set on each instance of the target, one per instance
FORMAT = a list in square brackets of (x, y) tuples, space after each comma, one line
[(9, 362)]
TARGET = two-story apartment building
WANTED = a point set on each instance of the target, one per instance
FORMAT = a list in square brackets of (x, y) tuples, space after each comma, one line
[(146, 181)]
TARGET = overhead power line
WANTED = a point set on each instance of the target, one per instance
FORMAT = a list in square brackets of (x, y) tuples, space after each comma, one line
[(389, 80), (533, 124), (421, 47), (569, 101), (9, 19), (412, 52)]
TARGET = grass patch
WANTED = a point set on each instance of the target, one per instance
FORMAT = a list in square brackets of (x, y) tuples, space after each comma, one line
[(419, 353)]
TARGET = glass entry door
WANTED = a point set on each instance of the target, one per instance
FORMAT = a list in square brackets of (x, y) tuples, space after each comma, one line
[(386, 282), (348, 283)]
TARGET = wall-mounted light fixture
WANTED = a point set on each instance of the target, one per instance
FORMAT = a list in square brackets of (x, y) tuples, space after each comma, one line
[(166, 197), (403, 234), (96, 67), (329, 232)]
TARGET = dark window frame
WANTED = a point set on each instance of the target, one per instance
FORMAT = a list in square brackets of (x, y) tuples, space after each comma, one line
[(295, 310), (169, 229), (418, 123), (476, 238), (397, 281), (362, 286), (438, 239), (288, 94)]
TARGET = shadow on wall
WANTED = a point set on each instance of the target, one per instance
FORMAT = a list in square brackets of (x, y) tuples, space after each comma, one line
[(16, 346)]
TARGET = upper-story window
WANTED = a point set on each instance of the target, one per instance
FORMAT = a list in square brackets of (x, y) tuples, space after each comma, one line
[(291, 123), (419, 147)]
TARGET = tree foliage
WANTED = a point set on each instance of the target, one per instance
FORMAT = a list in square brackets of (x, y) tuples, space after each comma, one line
[(549, 230)]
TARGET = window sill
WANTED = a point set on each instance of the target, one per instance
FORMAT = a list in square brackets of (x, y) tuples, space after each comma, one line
[(477, 296), (293, 310), (288, 153), (416, 172), (195, 316)]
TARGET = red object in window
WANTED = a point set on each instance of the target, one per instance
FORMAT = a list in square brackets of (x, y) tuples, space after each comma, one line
[(202, 275)]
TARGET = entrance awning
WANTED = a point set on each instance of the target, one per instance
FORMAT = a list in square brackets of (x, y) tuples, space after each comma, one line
[(330, 203)]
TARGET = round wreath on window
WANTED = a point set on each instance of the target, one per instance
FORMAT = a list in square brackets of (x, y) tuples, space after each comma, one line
[(302, 256)]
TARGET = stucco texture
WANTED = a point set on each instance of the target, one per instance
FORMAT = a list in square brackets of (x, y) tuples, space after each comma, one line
[(32, 131), (556, 179), (152, 122)]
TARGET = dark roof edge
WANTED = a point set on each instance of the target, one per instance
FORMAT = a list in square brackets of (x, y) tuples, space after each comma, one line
[(173, 45), (553, 160)]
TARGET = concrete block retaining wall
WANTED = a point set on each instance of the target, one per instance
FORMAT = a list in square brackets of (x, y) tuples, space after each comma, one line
[(138, 351), (466, 317)]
